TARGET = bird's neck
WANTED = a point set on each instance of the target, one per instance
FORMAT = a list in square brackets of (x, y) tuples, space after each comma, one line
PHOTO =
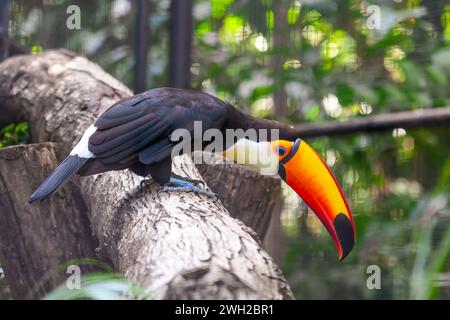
[(239, 119)]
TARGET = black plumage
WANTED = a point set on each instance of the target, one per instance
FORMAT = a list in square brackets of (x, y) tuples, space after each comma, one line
[(60, 175), (136, 132)]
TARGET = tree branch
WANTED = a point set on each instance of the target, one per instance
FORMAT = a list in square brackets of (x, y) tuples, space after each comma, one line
[(408, 119)]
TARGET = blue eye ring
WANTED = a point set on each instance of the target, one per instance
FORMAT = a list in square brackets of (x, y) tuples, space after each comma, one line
[(281, 151)]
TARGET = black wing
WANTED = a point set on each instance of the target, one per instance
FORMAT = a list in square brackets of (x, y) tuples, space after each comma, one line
[(140, 127)]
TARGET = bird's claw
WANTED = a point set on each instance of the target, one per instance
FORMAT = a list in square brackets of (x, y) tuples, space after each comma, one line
[(198, 190), (176, 184), (193, 181)]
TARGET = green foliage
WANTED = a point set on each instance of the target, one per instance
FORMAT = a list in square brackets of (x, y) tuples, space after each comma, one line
[(399, 67), (106, 34), (99, 286), (400, 203), (103, 284), (14, 134), (335, 67)]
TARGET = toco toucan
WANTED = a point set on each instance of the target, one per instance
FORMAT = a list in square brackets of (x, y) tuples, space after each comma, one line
[(136, 134)]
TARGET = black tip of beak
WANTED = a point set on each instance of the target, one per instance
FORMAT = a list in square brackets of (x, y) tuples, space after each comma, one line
[(345, 233)]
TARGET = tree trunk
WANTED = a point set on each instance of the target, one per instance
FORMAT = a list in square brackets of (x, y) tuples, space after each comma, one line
[(31, 236), (274, 241), (172, 244)]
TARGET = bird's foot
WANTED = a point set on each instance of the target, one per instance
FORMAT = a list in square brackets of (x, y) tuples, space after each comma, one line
[(146, 183), (198, 183), (176, 184)]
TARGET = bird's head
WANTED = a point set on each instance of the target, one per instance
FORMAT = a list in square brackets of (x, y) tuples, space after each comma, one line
[(306, 173)]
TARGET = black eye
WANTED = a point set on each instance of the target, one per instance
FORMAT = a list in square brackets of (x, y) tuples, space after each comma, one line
[(281, 151)]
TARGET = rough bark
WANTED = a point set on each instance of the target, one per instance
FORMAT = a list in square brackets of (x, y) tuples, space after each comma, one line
[(274, 241), (172, 244), (31, 236)]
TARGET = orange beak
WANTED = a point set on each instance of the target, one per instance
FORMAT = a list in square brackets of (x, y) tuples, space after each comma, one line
[(306, 173)]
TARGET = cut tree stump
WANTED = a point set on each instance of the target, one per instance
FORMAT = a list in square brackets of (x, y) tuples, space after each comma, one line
[(37, 240)]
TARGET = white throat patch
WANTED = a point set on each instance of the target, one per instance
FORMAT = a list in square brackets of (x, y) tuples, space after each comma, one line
[(258, 155)]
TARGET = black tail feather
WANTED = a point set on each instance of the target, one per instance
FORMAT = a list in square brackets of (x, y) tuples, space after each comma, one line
[(61, 174)]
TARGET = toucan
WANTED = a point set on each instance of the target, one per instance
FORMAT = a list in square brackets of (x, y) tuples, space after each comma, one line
[(136, 133)]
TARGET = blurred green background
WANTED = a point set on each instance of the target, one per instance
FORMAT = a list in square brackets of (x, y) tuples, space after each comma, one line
[(309, 61)]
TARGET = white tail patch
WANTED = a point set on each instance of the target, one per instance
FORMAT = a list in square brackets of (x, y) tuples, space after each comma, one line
[(82, 148)]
